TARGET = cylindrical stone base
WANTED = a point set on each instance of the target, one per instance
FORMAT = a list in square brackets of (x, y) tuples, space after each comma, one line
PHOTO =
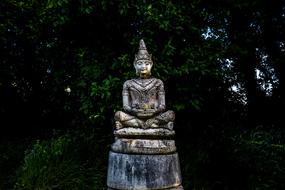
[(174, 188), (143, 146), (143, 172)]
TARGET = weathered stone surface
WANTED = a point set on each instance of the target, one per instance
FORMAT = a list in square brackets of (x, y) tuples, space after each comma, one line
[(143, 156), (138, 132), (173, 188), (143, 172), (143, 146), (143, 97)]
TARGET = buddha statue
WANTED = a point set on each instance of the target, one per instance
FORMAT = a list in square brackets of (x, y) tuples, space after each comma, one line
[(143, 155), (144, 98)]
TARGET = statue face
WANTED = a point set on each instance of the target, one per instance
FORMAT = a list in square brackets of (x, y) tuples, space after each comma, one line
[(143, 68)]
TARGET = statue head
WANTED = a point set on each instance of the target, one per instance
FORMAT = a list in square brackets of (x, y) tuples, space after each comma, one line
[(143, 62)]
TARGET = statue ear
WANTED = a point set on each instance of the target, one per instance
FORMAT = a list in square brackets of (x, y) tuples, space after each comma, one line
[(150, 56), (136, 58)]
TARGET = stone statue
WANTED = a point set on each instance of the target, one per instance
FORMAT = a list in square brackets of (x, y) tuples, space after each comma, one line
[(144, 98), (144, 156)]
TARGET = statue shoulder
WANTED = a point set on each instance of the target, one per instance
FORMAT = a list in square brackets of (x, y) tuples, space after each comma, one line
[(127, 83), (158, 81)]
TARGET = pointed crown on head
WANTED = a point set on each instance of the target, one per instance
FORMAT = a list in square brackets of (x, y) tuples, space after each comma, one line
[(142, 53)]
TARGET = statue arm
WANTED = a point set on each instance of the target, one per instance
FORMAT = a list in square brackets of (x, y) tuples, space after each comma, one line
[(125, 95), (126, 106), (126, 100), (161, 97)]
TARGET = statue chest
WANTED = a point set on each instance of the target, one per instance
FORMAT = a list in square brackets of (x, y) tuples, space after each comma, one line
[(143, 92)]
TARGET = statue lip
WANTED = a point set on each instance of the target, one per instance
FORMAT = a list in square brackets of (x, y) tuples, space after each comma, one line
[(144, 75)]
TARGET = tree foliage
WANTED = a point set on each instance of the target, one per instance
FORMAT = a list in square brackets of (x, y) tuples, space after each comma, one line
[(65, 58)]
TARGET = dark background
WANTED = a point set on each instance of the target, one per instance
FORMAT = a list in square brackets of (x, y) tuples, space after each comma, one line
[(63, 63)]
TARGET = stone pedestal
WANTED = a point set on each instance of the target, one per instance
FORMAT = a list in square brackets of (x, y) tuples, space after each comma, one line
[(144, 159), (141, 172)]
